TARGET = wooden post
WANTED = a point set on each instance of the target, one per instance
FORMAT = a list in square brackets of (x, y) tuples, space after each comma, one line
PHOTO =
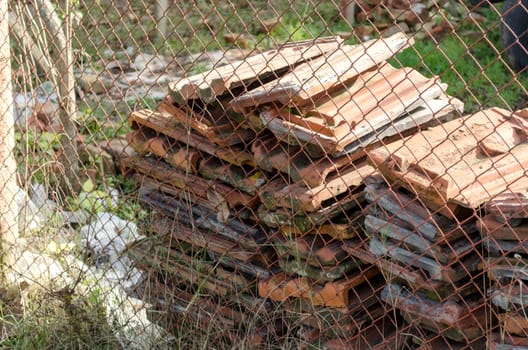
[(8, 175)]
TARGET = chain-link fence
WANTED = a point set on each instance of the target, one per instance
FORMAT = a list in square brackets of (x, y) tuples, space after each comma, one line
[(264, 174)]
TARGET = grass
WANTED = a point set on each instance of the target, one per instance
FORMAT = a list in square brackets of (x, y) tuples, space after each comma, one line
[(471, 66), (36, 319)]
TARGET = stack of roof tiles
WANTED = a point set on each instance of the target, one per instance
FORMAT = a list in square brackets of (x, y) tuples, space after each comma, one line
[(423, 224), (256, 172), (504, 233)]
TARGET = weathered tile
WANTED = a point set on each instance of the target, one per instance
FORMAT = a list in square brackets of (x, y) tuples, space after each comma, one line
[(415, 214), (455, 321), (506, 268), (165, 124), (272, 155), (307, 82), (200, 216), (369, 103), (258, 68), (515, 323), (189, 270), (299, 198), (332, 322), (201, 238), (509, 207), (321, 274), (436, 342), (315, 250), (331, 294), (317, 144), (306, 221), (490, 227), (511, 296), (416, 279), (245, 179), (502, 341), (220, 129), (144, 141), (452, 164), (201, 187), (497, 247), (382, 334), (337, 229), (436, 270), (442, 251)]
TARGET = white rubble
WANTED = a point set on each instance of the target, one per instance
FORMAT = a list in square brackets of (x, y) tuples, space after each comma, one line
[(107, 237)]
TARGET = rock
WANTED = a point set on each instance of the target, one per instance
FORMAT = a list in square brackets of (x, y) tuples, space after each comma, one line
[(266, 26), (37, 268), (23, 105), (45, 117), (400, 4), (237, 39), (106, 238), (364, 32), (31, 218), (456, 9), (439, 31), (40, 198), (417, 14), (150, 63), (95, 83), (46, 92), (117, 66), (390, 31), (345, 35), (77, 217)]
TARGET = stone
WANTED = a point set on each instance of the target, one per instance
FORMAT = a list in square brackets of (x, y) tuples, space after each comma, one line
[(150, 63), (94, 83), (107, 236)]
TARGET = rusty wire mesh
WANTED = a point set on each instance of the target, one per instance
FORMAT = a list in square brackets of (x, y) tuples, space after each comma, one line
[(268, 174)]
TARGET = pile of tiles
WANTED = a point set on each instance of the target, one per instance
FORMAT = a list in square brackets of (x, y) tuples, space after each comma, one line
[(422, 224), (256, 173), (504, 234)]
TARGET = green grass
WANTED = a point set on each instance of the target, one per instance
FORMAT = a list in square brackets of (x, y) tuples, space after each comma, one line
[(472, 68), (53, 321)]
